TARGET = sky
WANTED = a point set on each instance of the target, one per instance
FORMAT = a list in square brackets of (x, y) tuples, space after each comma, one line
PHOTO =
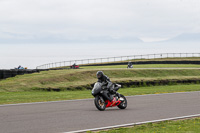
[(58, 21), (34, 32)]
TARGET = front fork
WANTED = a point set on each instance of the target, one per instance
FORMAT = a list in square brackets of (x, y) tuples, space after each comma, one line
[(101, 99)]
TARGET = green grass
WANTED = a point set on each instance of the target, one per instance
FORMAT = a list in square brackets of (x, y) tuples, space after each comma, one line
[(43, 96), (179, 126), (146, 66), (27, 88), (82, 77)]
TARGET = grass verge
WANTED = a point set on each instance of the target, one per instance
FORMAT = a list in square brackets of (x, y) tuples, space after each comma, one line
[(43, 96), (179, 126)]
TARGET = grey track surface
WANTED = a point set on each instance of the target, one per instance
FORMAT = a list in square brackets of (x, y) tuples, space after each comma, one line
[(66, 116)]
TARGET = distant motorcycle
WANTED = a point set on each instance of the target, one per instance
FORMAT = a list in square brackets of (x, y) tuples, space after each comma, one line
[(74, 66), (130, 65), (101, 97)]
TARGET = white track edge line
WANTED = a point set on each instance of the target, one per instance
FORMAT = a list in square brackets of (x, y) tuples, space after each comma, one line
[(133, 124), (92, 98)]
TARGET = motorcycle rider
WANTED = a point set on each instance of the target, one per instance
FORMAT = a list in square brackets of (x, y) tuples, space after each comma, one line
[(130, 65), (107, 84)]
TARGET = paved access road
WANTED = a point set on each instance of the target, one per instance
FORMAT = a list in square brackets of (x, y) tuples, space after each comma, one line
[(63, 116)]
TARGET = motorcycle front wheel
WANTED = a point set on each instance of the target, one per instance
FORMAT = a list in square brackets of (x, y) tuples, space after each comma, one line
[(123, 104), (100, 103)]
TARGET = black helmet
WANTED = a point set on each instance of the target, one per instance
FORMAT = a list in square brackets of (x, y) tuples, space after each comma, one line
[(99, 74)]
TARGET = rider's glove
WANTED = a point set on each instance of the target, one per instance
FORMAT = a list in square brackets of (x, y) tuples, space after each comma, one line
[(104, 83)]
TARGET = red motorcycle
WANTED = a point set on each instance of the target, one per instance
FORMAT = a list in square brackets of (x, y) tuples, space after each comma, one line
[(102, 95), (74, 66)]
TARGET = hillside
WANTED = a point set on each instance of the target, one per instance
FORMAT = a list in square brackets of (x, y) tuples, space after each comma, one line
[(83, 78)]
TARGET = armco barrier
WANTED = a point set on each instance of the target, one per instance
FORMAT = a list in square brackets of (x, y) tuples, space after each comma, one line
[(1, 74), (147, 62), (20, 72), (13, 72), (7, 74)]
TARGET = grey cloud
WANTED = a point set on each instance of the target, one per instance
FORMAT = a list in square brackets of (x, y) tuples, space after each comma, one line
[(88, 19)]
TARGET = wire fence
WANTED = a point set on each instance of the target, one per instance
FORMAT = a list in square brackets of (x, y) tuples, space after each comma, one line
[(116, 59)]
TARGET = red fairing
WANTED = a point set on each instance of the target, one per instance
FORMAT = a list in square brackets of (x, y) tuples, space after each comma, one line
[(76, 66), (113, 103)]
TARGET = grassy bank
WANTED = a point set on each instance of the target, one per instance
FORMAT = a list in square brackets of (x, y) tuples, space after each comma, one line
[(43, 96), (83, 77), (179, 126)]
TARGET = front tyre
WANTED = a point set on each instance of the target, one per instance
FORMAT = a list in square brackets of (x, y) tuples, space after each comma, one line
[(123, 104), (100, 103)]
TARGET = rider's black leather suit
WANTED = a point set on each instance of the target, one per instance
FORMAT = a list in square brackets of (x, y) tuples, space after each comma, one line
[(108, 87)]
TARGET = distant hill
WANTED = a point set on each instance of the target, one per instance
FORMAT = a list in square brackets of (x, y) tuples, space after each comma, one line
[(189, 37), (108, 39), (53, 39)]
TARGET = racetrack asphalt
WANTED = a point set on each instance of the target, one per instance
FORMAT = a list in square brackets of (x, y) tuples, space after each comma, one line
[(65, 116)]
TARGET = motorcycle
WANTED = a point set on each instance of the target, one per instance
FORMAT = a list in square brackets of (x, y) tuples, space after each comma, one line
[(102, 95), (130, 65)]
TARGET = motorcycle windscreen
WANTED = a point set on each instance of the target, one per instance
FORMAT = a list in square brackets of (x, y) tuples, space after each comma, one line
[(97, 88)]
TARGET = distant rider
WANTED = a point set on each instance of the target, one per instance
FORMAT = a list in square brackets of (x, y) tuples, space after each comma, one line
[(130, 65)]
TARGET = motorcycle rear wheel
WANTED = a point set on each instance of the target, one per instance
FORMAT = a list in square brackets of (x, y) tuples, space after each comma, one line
[(100, 103), (123, 105)]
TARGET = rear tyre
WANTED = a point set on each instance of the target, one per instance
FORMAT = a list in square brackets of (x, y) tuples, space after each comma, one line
[(100, 103), (123, 104)]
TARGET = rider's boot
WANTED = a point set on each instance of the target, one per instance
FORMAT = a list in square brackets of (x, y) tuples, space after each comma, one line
[(119, 97)]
